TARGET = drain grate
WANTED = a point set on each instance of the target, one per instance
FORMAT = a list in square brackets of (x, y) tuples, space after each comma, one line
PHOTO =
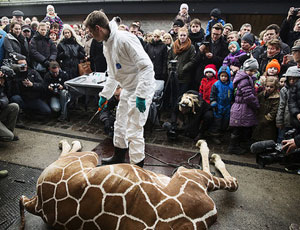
[(20, 181)]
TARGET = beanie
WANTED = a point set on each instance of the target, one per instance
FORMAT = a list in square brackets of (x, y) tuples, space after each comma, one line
[(184, 5), (215, 13), (250, 64), (249, 38), (50, 7), (229, 25), (273, 63), (178, 23), (237, 46), (210, 68)]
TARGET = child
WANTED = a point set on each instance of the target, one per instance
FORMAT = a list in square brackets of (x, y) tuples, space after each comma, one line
[(215, 17), (269, 101), (220, 100), (243, 111), (232, 60), (283, 121), (210, 77), (196, 33), (272, 69), (282, 82), (183, 14)]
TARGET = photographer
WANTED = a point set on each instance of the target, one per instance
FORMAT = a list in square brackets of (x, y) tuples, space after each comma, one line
[(30, 91), (54, 82), (8, 114), (290, 27)]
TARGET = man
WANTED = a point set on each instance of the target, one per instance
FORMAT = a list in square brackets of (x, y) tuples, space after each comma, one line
[(245, 28), (134, 29), (130, 66), (26, 32), (8, 114), (273, 52), (272, 32), (42, 50), (17, 17), (174, 31), (227, 29)]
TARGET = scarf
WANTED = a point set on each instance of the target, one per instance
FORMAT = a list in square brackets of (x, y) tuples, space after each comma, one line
[(179, 48)]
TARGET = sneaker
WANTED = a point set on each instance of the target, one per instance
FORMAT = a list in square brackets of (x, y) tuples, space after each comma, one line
[(3, 173), (293, 169)]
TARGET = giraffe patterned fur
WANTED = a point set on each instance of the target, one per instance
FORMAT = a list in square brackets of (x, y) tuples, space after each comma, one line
[(72, 193)]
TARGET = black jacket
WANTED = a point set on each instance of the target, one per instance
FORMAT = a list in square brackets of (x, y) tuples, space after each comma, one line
[(197, 38), (69, 54), (287, 33), (49, 79), (42, 49), (158, 52), (98, 61)]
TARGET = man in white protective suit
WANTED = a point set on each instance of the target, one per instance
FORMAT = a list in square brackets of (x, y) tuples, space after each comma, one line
[(130, 67)]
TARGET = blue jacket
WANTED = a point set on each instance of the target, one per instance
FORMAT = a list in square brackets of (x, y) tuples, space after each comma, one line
[(210, 25), (221, 95), (3, 34)]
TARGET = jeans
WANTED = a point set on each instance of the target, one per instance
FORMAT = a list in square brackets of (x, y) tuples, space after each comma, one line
[(59, 103), (33, 105)]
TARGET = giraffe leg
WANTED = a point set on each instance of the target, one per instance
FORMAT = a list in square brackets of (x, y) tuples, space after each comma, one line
[(65, 147), (204, 151), (76, 146)]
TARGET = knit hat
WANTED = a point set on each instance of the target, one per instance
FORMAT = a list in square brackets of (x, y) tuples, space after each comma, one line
[(273, 63), (184, 5), (17, 13), (249, 38), (178, 23), (26, 28), (237, 46), (50, 7), (210, 68), (250, 64), (224, 69), (228, 25), (293, 71), (215, 13)]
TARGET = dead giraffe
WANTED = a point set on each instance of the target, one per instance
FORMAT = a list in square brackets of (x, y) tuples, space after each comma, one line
[(72, 193)]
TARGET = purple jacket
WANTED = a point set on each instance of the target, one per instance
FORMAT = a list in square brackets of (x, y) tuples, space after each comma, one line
[(245, 106), (233, 59)]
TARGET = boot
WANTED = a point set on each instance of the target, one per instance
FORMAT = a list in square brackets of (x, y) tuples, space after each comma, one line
[(234, 147), (117, 158), (140, 164)]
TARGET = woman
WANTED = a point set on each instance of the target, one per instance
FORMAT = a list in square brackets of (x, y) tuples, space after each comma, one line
[(15, 43), (183, 51), (52, 17), (168, 40), (157, 52), (70, 51)]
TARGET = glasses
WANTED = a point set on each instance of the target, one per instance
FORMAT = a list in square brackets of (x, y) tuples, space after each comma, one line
[(216, 34)]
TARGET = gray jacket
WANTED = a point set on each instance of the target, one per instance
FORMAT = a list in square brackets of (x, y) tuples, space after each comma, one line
[(12, 45), (283, 113)]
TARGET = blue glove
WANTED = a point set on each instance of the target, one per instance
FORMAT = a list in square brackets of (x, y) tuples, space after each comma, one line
[(102, 100), (141, 104)]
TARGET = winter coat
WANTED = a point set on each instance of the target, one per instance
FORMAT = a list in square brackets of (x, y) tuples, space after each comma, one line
[(263, 60), (2, 50), (233, 59), (98, 61), (294, 100), (266, 128), (69, 54), (245, 106), (13, 46), (205, 88), (158, 52), (287, 33), (184, 64), (283, 113), (53, 19), (197, 38), (37, 91), (128, 64), (42, 49), (60, 79), (211, 23), (221, 97)]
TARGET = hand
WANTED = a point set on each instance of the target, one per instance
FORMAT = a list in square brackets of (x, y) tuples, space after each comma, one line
[(60, 87), (298, 117), (234, 68), (46, 64), (50, 88), (141, 104), (209, 55), (102, 100), (290, 13), (289, 144), (202, 48), (27, 83)]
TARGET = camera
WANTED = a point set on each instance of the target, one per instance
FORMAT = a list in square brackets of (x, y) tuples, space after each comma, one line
[(295, 11), (10, 67), (55, 87), (171, 131), (173, 64), (205, 43), (269, 152)]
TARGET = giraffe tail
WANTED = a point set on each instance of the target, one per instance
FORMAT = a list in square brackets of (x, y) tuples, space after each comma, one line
[(29, 205)]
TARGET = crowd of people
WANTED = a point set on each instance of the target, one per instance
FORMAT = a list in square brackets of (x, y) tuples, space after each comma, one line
[(224, 78)]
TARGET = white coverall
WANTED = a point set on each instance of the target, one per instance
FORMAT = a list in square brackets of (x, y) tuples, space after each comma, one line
[(130, 66)]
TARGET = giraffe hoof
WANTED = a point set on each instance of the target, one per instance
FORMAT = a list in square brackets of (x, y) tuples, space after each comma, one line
[(200, 142), (60, 143), (77, 145)]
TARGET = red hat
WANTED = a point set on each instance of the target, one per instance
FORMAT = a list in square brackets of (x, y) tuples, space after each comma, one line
[(273, 63), (211, 68)]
